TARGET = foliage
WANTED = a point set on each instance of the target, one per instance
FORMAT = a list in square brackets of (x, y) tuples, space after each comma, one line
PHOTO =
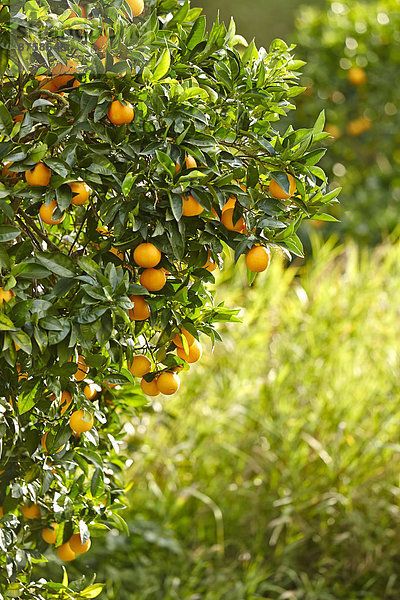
[(275, 473), (70, 289), (365, 119)]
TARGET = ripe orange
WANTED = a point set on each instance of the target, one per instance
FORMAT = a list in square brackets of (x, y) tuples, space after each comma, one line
[(277, 192), (140, 310), (81, 192), (65, 401), (227, 217), (1, 512), (190, 163), (39, 176), (209, 264), (5, 296), (118, 253), (257, 259), (178, 340), (82, 370), (30, 512), (333, 130), (195, 351), (76, 545), (119, 113), (81, 421), (140, 366), (73, 14), (191, 208), (136, 6), (63, 74), (65, 552), (43, 442), (357, 76), (46, 214), (150, 388), (359, 126), (49, 533), (8, 173), (153, 279), (90, 391), (168, 383), (102, 42), (147, 255)]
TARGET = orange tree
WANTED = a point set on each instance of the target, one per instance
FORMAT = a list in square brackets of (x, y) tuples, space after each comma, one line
[(135, 150), (352, 49)]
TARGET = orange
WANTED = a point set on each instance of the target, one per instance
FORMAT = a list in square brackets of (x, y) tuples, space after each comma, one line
[(257, 259), (333, 131), (150, 388), (73, 14), (195, 351), (5, 295), (49, 533), (46, 214), (191, 208), (81, 421), (83, 369), (65, 553), (168, 383), (178, 340), (1, 512), (153, 279), (140, 365), (18, 118), (147, 255), (81, 192), (31, 512), (39, 176), (227, 220), (358, 126), (43, 442), (63, 74), (65, 401), (357, 76), (102, 42), (229, 204), (190, 163), (140, 310), (277, 192), (136, 6), (7, 172), (209, 264), (76, 545), (90, 391), (50, 85), (119, 113), (118, 253)]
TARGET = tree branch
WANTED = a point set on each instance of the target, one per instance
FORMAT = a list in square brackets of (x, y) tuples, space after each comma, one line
[(29, 221)]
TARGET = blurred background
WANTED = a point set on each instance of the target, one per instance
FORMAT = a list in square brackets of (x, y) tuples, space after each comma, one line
[(275, 472)]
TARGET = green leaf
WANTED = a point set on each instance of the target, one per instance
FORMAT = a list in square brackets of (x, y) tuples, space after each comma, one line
[(176, 205), (197, 32), (162, 66), (128, 183), (97, 483), (92, 591), (6, 122), (27, 401), (23, 340), (57, 263), (6, 324), (166, 162), (320, 122), (8, 233)]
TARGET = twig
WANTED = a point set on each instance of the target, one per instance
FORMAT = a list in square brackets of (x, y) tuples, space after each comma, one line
[(79, 231), (29, 221), (28, 232)]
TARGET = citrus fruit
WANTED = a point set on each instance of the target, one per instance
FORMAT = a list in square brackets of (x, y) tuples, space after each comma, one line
[(357, 76), (102, 42), (46, 214), (30, 512), (136, 6), (5, 295), (140, 310), (227, 220), (118, 253), (194, 355), (257, 259), (1, 512), (140, 366), (168, 383), (90, 391), (63, 74), (191, 208), (82, 370), (65, 401), (178, 339), (73, 14), (65, 552), (76, 545), (279, 193), (190, 163), (49, 533), (333, 130), (147, 255), (153, 279), (81, 421), (38, 176), (119, 113), (150, 387), (43, 442), (81, 192)]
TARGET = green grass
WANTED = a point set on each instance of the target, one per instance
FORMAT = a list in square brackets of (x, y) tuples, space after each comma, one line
[(274, 473)]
